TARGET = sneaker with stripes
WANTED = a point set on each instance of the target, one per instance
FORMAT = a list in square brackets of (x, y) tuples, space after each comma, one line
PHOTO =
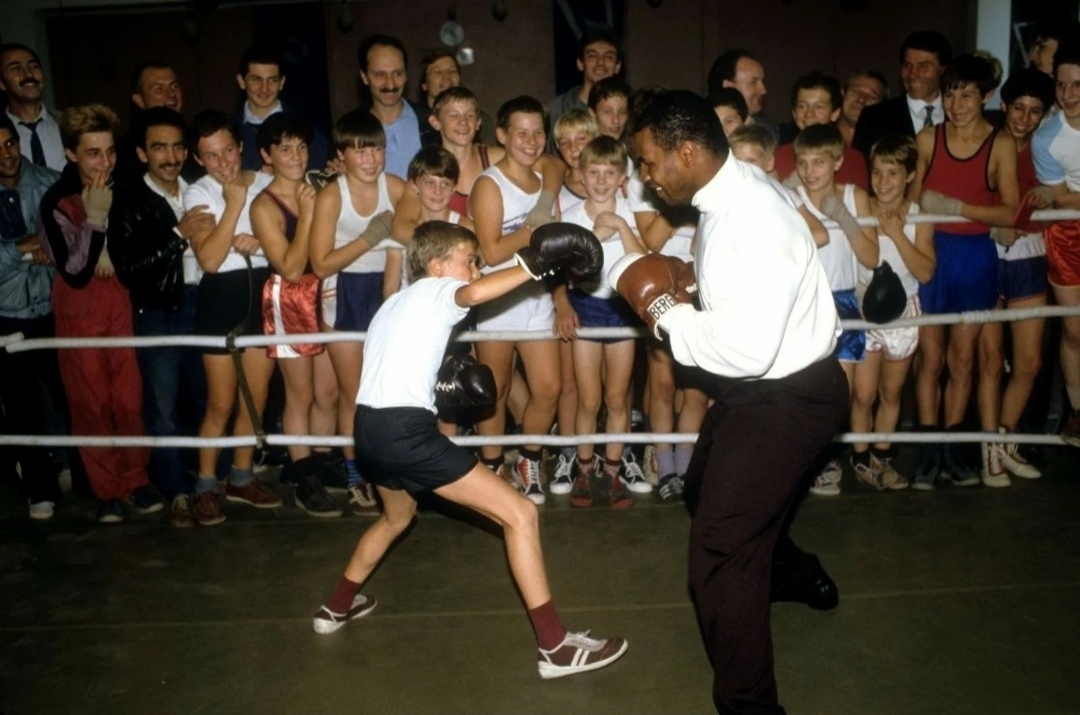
[(326, 621), (579, 654)]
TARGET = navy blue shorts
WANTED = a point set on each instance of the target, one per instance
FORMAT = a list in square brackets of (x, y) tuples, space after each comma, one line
[(1024, 278), (851, 347), (401, 448), (348, 301), (596, 312), (966, 276)]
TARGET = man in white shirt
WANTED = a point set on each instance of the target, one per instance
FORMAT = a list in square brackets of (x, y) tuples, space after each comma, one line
[(23, 82), (766, 329)]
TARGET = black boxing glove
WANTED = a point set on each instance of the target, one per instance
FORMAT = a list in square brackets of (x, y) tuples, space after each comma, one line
[(562, 250), (463, 383)]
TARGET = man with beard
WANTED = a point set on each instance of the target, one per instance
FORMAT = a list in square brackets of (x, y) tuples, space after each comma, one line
[(383, 61), (765, 332), (22, 81)]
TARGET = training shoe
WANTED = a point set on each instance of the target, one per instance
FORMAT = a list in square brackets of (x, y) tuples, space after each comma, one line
[(1071, 432), (180, 512), (955, 467), (649, 464), (362, 499), (332, 473), (581, 493), (562, 482), (326, 621), (579, 654), (1015, 463), (632, 475), (618, 496), (527, 478), (866, 474), (111, 511), (145, 500), (993, 470), (254, 493), (312, 497), (42, 510), (891, 478), (206, 509), (670, 487), (929, 467), (827, 483)]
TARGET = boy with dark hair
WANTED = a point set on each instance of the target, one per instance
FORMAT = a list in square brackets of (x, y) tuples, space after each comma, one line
[(599, 57), (730, 108), (1049, 36), (966, 168), (608, 102), (403, 452), (149, 239), (816, 99), (103, 386)]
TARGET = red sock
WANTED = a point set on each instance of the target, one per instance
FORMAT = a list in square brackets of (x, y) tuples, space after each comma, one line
[(342, 597), (549, 628)]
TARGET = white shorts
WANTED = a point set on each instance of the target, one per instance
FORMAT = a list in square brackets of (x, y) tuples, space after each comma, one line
[(898, 343), (528, 307)]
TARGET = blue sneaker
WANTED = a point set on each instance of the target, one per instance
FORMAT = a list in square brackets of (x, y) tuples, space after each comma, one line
[(111, 511)]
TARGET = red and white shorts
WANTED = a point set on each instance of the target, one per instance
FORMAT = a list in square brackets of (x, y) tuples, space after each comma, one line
[(291, 309)]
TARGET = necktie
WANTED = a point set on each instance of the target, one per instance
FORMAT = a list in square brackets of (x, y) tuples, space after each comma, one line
[(928, 121), (37, 152)]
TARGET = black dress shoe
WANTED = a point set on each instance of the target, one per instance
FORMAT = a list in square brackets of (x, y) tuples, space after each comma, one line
[(809, 584)]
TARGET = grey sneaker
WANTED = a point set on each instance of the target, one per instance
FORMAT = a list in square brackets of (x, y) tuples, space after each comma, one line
[(579, 654), (671, 487)]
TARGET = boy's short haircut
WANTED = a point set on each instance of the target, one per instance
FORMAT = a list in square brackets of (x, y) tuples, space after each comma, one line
[(754, 135), (522, 104), (1063, 30), (208, 123), (969, 69), (818, 80), (605, 151), (137, 74), (820, 138), (679, 115), (606, 89), (158, 117), (87, 119), (1067, 54), (280, 125), (358, 129), (434, 240), (6, 123), (574, 119), (597, 34), (379, 40), (1029, 82), (724, 67), (928, 41), (433, 57), (730, 97), (433, 160), (260, 55), (454, 94), (896, 149), (872, 74)]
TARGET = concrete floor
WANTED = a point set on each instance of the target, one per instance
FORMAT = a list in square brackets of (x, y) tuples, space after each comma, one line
[(955, 601)]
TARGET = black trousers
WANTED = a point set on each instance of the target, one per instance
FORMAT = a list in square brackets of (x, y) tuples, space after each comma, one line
[(757, 443)]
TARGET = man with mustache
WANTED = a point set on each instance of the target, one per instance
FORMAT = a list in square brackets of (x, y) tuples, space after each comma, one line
[(383, 61), (23, 82), (149, 239)]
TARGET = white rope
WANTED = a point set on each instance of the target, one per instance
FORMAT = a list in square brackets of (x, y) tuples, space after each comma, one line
[(545, 440), (1045, 215), (14, 344)]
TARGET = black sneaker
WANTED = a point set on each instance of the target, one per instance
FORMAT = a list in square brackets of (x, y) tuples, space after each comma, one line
[(955, 468), (326, 621), (145, 500), (929, 468), (111, 511), (312, 497), (670, 487), (332, 472)]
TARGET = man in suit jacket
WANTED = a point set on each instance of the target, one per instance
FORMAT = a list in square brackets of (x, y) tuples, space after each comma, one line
[(923, 58)]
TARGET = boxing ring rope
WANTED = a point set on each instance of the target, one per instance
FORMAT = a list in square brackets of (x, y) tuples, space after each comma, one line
[(17, 343)]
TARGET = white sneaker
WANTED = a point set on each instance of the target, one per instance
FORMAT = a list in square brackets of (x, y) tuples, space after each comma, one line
[(527, 480), (1015, 463), (42, 510), (827, 483), (563, 480), (579, 654), (993, 471), (632, 475)]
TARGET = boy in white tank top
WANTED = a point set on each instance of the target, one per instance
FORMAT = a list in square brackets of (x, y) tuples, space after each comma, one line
[(352, 221)]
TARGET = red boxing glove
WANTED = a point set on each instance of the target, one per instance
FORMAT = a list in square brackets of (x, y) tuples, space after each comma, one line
[(653, 284)]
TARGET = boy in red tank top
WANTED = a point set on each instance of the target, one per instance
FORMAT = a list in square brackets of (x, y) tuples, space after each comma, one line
[(968, 169)]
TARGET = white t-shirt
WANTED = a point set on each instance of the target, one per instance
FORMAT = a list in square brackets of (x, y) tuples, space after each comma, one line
[(406, 342), (612, 245), (207, 191)]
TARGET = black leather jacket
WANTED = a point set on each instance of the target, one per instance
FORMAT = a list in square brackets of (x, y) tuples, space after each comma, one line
[(146, 251)]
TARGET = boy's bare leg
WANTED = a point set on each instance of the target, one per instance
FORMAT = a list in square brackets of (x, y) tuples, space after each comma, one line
[(399, 509)]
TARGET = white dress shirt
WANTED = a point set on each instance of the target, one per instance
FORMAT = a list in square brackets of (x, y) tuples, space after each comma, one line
[(49, 133), (917, 107), (766, 308)]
